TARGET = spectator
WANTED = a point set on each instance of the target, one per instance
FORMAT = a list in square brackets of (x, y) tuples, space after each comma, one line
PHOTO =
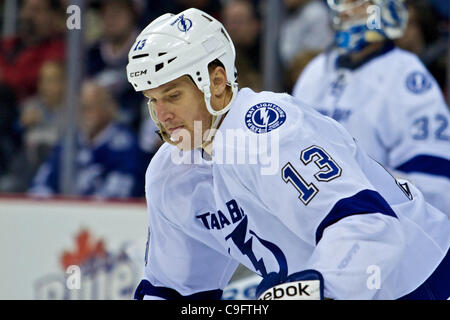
[(306, 27), (40, 38), (108, 161), (106, 59), (42, 118), (241, 20)]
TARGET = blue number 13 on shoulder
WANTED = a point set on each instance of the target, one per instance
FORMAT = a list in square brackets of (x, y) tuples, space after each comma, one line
[(329, 171)]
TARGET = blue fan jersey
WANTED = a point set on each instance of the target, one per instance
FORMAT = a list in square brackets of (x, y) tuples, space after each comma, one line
[(111, 167)]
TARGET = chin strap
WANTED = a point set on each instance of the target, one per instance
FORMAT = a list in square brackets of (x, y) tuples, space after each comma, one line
[(207, 94), (161, 131), (217, 115)]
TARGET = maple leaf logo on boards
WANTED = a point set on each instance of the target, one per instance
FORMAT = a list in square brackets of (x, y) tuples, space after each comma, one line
[(86, 250), (104, 274)]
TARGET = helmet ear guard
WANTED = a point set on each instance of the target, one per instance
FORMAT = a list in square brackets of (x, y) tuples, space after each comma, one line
[(172, 46)]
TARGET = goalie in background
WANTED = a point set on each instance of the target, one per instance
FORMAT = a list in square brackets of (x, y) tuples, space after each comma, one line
[(383, 95)]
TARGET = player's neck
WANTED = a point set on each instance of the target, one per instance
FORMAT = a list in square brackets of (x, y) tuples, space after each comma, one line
[(226, 100), (209, 147)]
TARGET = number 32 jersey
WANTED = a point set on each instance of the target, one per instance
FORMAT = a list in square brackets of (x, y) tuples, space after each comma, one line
[(307, 197), (395, 109)]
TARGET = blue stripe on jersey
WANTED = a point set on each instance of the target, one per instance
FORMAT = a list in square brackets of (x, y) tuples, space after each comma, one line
[(145, 288), (366, 201), (436, 287), (427, 164)]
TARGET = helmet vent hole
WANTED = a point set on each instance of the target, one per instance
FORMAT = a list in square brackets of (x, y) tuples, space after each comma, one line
[(149, 82), (199, 79), (140, 56), (170, 60), (198, 73), (161, 54), (159, 66), (224, 34), (207, 18)]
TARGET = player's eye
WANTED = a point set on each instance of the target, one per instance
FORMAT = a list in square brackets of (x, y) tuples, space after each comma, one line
[(174, 96)]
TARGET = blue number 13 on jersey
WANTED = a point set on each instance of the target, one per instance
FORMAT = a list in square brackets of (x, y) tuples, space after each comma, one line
[(329, 171)]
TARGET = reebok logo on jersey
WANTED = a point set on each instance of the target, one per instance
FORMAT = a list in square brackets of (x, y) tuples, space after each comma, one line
[(264, 117), (298, 290)]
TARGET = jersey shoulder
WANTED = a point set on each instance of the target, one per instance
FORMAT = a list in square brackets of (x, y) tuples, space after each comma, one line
[(268, 116), (410, 88), (311, 74), (262, 112), (408, 75), (170, 167), (175, 190), (161, 158)]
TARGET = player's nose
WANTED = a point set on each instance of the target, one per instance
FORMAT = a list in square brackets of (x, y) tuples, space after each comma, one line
[(162, 111)]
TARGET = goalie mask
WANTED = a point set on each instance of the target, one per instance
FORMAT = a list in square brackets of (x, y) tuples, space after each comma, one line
[(360, 22), (172, 46)]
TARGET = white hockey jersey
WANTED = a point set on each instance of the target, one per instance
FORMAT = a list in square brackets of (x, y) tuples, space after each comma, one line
[(321, 204), (395, 109)]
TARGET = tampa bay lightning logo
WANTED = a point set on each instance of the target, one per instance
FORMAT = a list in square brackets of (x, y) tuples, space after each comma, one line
[(183, 24), (239, 237), (264, 117), (418, 82)]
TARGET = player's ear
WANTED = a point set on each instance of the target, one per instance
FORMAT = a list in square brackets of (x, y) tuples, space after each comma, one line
[(218, 80)]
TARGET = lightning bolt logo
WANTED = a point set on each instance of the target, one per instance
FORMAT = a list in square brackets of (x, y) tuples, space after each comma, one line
[(184, 24), (264, 116), (238, 237)]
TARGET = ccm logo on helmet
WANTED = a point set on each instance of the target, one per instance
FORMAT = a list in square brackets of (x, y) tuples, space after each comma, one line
[(138, 73)]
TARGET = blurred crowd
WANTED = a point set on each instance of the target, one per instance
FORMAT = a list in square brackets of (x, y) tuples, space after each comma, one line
[(115, 137)]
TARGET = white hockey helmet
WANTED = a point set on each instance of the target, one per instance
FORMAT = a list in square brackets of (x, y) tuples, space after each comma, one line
[(172, 46)]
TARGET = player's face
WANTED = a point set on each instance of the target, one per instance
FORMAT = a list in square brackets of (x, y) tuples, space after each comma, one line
[(180, 107), (355, 10)]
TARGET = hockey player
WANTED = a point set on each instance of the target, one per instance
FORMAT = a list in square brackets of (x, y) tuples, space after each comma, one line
[(327, 222), (384, 96)]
